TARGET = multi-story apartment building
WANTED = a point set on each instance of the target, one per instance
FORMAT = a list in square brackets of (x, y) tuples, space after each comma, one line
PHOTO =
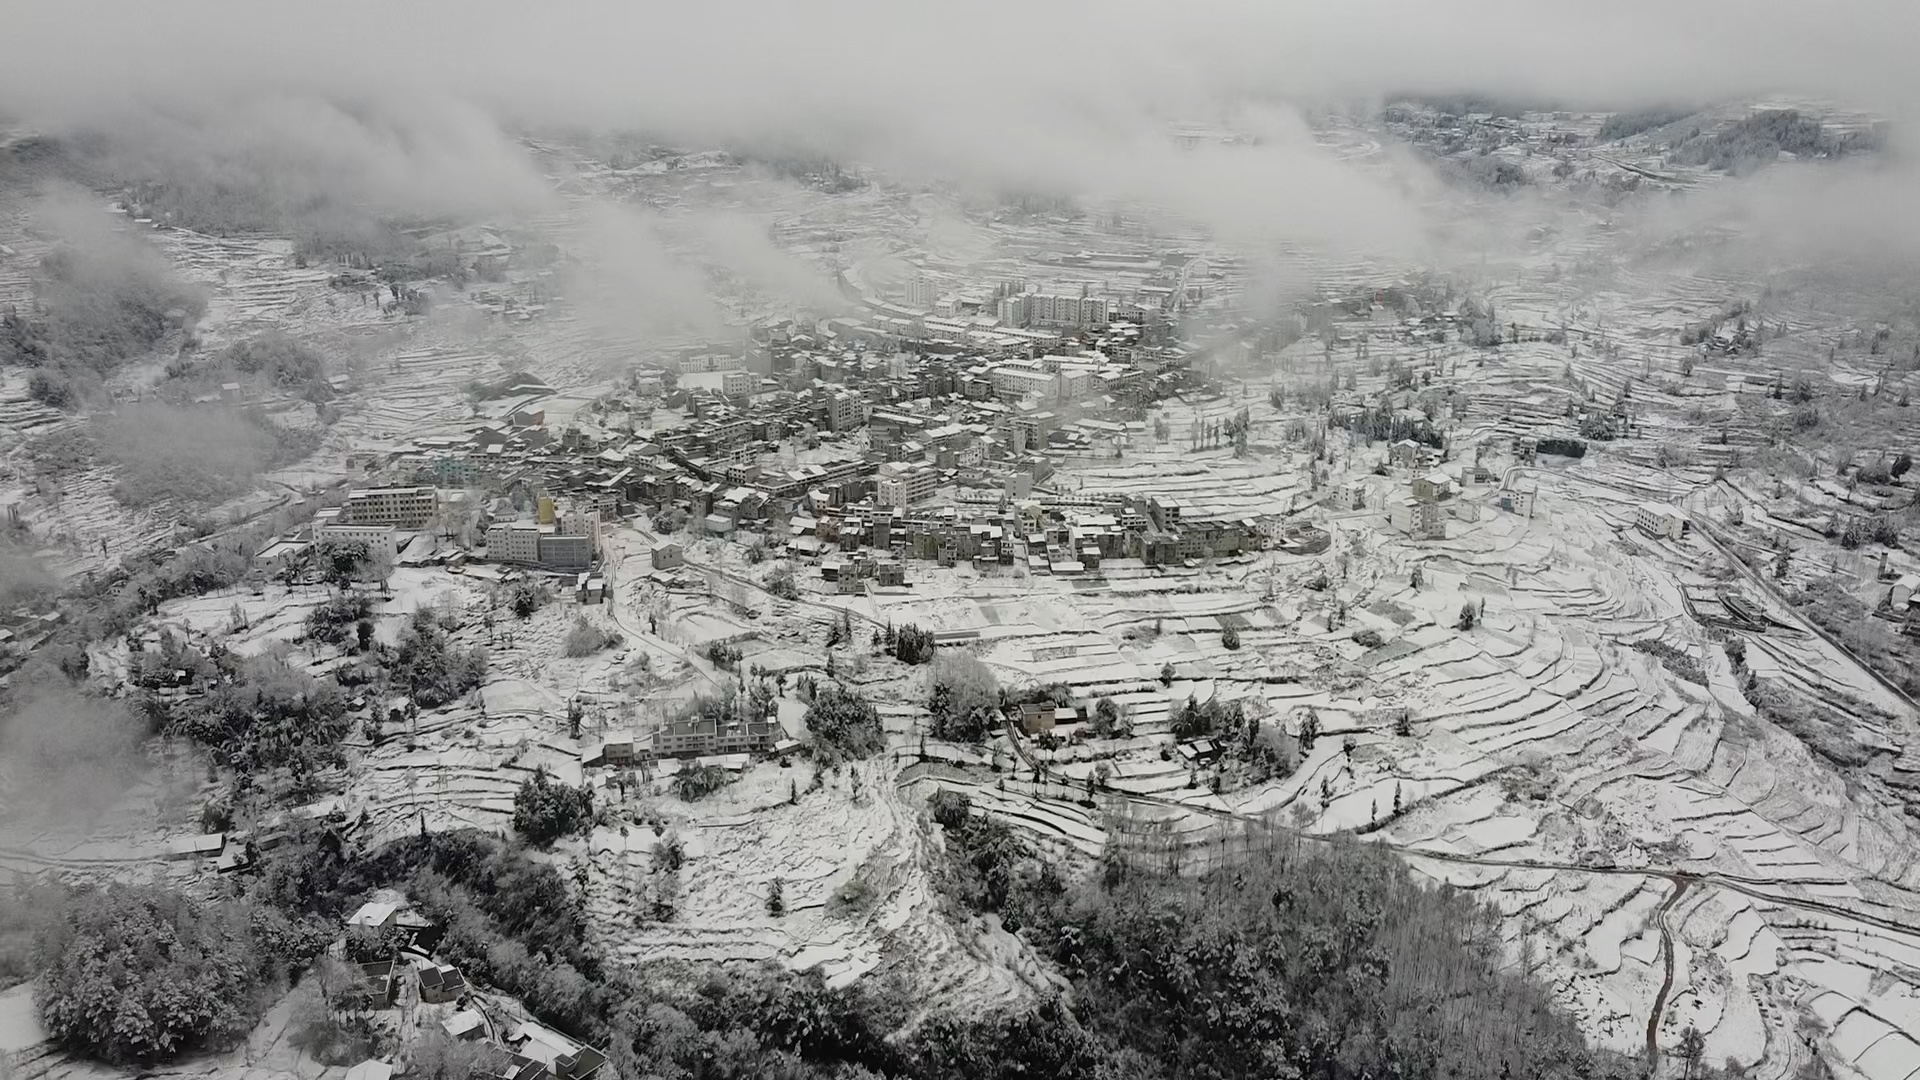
[(903, 485), (698, 736), (382, 541), (400, 507), (514, 542)]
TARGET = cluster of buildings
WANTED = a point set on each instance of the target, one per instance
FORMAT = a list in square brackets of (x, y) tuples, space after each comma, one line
[(533, 1050), (804, 422)]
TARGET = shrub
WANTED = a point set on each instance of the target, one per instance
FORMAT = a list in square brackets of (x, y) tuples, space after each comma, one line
[(328, 1016), (1108, 722), (269, 716), (433, 670), (843, 724), (330, 620), (439, 1056), (1469, 616), (527, 597), (912, 645), (545, 811), (1368, 638), (723, 656), (284, 361), (963, 698), (1561, 447), (51, 389), (586, 638), (951, 809), (694, 784), (781, 583), (1230, 638)]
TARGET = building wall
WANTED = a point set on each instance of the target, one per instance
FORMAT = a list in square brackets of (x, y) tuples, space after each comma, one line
[(570, 553), (381, 540), (404, 508), (514, 541)]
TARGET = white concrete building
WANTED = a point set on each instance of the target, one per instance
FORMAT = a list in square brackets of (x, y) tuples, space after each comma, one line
[(1904, 592), (401, 507), (382, 541), (514, 541), (1660, 521), (1019, 380), (1421, 519), (903, 485)]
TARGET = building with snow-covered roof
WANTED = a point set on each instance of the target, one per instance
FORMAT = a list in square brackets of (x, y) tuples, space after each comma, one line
[(1660, 521)]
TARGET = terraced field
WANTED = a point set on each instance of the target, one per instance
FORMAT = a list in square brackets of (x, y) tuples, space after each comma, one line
[(1559, 762)]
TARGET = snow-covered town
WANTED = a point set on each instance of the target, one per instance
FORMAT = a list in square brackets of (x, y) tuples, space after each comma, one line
[(700, 574)]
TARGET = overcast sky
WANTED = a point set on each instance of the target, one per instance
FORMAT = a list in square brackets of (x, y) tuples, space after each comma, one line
[(867, 68), (398, 100)]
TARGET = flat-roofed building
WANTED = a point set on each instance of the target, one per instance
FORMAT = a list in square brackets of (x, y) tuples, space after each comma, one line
[(1660, 521), (400, 507), (382, 541)]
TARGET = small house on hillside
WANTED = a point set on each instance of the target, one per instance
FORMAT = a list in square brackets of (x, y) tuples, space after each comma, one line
[(378, 979), (439, 984), (1660, 521), (374, 915), (1035, 719), (466, 1024), (371, 1069), (561, 1057), (1903, 594)]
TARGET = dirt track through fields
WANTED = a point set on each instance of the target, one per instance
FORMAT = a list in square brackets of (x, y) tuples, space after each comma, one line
[(1666, 982)]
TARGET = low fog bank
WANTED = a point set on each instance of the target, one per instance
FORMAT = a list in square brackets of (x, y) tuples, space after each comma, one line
[(66, 756), (326, 117)]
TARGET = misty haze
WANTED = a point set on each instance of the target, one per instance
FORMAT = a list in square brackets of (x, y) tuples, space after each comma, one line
[(845, 540)]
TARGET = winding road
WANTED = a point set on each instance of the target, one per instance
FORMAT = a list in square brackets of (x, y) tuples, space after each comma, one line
[(1666, 982)]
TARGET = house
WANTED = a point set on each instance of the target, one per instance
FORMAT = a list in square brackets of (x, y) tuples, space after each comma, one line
[(371, 1069), (1903, 594), (196, 847), (561, 1057), (1420, 519), (1034, 719), (1435, 485), (466, 1024), (1517, 499), (614, 751), (379, 981), (1660, 521), (374, 915), (668, 556), (591, 589), (440, 984), (1199, 751)]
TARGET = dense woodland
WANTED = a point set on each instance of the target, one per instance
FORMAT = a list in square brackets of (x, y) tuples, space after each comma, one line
[(1761, 138), (1322, 961), (97, 306)]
